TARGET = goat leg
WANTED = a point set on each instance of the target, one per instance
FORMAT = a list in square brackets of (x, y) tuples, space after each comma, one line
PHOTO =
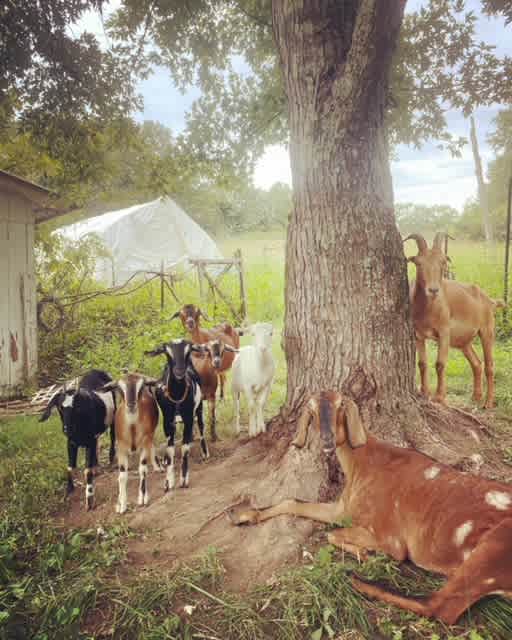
[(200, 423), (487, 340), (323, 512), (143, 498), (72, 458), (122, 501), (442, 357), (421, 348)]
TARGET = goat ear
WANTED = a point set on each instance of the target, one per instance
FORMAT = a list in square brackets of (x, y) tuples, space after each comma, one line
[(205, 316), (48, 409), (46, 413), (176, 315), (198, 348), (302, 427), (355, 429), (110, 386), (228, 347), (155, 352)]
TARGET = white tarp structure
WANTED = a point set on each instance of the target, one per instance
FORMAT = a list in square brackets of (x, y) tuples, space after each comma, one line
[(140, 238)]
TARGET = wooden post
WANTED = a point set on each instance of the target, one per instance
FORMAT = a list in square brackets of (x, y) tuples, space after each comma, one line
[(200, 282), (162, 287), (507, 249), (243, 305)]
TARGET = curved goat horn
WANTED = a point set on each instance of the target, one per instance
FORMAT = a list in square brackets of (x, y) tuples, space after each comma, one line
[(438, 238), (420, 241)]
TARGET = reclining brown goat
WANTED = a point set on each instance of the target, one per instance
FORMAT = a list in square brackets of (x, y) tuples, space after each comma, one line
[(452, 314), (407, 505)]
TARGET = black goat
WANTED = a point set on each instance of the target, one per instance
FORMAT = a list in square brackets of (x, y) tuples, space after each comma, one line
[(179, 393), (85, 413)]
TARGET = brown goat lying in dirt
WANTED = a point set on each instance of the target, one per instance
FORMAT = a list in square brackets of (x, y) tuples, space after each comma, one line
[(407, 505), (452, 314)]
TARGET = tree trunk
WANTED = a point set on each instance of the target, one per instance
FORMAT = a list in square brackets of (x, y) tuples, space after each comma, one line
[(347, 311), (482, 187)]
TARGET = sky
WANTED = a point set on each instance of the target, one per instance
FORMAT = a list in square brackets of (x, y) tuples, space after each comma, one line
[(424, 176)]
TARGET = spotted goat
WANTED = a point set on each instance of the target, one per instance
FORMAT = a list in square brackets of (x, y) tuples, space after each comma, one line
[(452, 314), (180, 394), (136, 421), (85, 412), (408, 506)]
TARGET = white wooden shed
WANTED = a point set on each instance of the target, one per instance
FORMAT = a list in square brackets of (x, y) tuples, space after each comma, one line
[(23, 204)]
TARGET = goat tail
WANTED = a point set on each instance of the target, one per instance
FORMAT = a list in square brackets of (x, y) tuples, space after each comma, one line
[(379, 593), (500, 304)]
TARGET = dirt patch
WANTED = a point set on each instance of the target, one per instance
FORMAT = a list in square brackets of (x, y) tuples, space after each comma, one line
[(180, 525)]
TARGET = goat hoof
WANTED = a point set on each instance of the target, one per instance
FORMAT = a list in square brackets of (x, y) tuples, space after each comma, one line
[(243, 515), (439, 399)]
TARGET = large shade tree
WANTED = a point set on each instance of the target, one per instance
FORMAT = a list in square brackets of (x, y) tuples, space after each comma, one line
[(340, 80)]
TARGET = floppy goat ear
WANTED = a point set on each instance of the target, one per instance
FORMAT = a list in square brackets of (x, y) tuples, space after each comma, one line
[(176, 315), (198, 348), (155, 352), (228, 347), (48, 409), (302, 427), (355, 430), (110, 386), (205, 316)]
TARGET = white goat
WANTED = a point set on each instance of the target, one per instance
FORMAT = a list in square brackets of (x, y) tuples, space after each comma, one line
[(253, 372)]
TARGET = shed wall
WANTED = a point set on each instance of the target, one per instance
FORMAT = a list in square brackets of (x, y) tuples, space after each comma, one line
[(18, 323)]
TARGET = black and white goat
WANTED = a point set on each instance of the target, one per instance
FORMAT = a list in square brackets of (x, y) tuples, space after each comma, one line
[(136, 421), (86, 413), (180, 393)]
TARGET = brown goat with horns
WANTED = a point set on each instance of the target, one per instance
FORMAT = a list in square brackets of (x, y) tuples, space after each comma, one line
[(452, 314)]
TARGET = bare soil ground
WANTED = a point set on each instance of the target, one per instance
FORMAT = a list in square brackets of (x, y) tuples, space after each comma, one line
[(180, 525)]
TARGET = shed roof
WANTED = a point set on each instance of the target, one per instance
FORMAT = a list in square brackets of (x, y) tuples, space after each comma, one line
[(42, 199)]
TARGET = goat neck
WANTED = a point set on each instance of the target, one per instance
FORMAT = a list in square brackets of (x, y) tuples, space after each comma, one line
[(355, 463), (198, 335)]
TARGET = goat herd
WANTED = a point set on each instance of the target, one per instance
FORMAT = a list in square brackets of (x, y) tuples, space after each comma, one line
[(129, 406), (399, 501)]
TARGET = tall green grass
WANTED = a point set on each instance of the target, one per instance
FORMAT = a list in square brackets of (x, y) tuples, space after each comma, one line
[(58, 583)]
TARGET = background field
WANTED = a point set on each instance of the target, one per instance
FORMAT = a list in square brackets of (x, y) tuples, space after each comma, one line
[(52, 578)]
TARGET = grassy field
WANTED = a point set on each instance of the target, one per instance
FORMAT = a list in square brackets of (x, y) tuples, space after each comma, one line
[(53, 579)]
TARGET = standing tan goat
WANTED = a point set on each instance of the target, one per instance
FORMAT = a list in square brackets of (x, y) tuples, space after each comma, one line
[(452, 314), (190, 317), (135, 421), (409, 506)]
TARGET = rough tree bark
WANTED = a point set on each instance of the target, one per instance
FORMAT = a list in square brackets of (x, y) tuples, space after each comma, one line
[(347, 321)]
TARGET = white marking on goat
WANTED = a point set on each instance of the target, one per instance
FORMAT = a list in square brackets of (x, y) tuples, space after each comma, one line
[(108, 401), (466, 554), (462, 532), (431, 472), (490, 581), (68, 400), (498, 499), (197, 396)]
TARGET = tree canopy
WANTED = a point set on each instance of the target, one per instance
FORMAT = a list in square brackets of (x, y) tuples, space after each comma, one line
[(228, 50)]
